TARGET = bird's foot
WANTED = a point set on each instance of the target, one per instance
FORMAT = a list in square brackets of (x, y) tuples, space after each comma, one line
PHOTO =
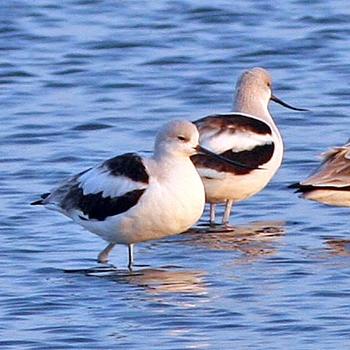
[(102, 258)]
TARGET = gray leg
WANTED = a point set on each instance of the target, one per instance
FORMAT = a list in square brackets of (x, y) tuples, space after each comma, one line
[(212, 213), (226, 218), (131, 255), (103, 256)]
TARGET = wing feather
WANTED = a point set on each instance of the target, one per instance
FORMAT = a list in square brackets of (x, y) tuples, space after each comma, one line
[(236, 136), (334, 170), (235, 131), (105, 190)]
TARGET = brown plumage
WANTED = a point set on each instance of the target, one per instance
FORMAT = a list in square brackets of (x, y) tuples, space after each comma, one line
[(330, 183)]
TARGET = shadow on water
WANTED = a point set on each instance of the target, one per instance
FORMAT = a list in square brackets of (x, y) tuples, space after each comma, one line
[(340, 247), (254, 240), (155, 281)]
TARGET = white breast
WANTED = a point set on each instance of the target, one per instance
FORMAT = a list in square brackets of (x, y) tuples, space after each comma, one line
[(172, 203)]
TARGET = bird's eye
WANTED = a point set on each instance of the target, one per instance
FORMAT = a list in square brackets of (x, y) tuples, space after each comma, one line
[(181, 138)]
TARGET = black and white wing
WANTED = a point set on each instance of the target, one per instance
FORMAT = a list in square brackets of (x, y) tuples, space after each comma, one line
[(236, 136), (106, 190)]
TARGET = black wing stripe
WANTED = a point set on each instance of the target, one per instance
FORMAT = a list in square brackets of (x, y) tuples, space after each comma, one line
[(129, 165), (254, 158), (299, 188), (97, 207)]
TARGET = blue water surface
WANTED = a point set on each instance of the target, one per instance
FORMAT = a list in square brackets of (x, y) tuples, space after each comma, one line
[(83, 80)]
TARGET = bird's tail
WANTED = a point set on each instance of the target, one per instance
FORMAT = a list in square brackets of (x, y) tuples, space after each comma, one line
[(41, 201), (299, 188), (38, 202), (294, 185)]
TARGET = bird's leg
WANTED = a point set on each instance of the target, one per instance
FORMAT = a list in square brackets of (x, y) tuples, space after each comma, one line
[(131, 256), (228, 207), (212, 214), (103, 256)]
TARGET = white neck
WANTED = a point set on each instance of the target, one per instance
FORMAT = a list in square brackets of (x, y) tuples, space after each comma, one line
[(164, 166), (168, 156), (253, 105), (256, 107)]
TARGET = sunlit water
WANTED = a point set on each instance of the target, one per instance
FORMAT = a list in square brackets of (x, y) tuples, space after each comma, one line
[(81, 81)]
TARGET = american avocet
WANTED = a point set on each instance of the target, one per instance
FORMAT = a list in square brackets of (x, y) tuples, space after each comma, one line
[(129, 199), (247, 135), (330, 183)]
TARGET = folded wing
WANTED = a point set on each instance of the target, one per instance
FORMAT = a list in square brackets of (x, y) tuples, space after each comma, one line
[(334, 172), (106, 190), (236, 136)]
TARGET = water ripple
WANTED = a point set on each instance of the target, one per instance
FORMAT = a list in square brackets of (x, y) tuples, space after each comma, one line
[(83, 80)]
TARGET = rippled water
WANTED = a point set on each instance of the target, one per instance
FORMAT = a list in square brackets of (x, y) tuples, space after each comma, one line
[(85, 80)]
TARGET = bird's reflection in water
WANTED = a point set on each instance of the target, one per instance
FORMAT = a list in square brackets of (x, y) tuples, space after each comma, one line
[(339, 247), (155, 281), (165, 280), (254, 240)]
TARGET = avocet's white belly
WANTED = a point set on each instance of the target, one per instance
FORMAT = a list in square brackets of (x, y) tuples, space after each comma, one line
[(236, 187), (168, 207)]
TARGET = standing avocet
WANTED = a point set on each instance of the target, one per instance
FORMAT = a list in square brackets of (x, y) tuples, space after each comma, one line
[(330, 183), (129, 199), (247, 135)]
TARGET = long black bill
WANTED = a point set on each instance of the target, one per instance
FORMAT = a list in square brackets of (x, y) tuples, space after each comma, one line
[(277, 100), (202, 150)]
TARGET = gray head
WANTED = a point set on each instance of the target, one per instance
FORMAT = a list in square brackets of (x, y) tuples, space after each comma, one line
[(255, 86), (178, 137), (257, 80)]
